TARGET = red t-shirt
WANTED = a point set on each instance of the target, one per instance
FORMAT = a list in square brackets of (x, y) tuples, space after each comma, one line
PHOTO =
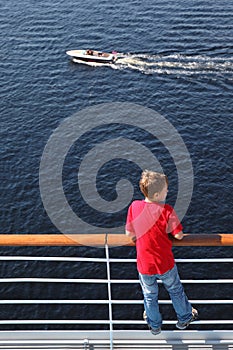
[(151, 223)]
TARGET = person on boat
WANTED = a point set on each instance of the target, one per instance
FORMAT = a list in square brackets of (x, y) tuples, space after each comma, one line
[(149, 223), (89, 52)]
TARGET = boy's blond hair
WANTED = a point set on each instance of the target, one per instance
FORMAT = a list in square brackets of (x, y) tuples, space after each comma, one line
[(152, 182)]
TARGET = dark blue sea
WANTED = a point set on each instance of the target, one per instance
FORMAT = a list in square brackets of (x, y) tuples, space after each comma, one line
[(66, 125)]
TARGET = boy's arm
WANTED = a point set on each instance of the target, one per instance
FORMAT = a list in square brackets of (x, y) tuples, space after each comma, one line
[(179, 235)]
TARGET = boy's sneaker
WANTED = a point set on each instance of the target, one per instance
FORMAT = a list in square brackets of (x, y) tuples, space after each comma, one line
[(154, 331), (184, 325)]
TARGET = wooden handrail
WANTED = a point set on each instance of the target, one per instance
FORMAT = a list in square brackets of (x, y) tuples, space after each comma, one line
[(99, 240)]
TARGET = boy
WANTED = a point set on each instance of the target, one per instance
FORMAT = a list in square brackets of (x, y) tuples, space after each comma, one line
[(149, 222)]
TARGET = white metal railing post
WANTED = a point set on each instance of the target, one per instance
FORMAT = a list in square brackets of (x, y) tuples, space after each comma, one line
[(109, 296)]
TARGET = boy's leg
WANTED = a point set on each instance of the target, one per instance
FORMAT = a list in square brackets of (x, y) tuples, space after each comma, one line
[(182, 306), (150, 292)]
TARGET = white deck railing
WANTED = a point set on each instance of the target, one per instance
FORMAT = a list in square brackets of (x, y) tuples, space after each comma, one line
[(113, 338)]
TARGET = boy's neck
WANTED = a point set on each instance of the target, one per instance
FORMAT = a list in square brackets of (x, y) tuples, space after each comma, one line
[(147, 200)]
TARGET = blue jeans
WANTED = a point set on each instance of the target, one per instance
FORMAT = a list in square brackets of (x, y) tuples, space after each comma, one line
[(171, 281)]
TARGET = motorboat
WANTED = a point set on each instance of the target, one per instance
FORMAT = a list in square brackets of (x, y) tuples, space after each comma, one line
[(92, 56)]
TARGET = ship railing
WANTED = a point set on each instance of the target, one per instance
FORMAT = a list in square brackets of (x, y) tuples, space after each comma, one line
[(129, 335)]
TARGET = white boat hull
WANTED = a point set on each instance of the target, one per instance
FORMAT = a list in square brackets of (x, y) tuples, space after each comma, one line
[(92, 56)]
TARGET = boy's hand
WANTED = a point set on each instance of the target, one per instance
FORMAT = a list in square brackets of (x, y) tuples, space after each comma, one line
[(179, 235), (132, 235)]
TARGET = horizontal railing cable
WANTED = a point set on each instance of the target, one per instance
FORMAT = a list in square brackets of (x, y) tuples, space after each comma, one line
[(52, 258), (96, 280), (111, 260), (106, 322), (99, 301)]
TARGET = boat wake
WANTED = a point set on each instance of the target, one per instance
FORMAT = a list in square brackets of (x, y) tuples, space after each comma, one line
[(175, 64)]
